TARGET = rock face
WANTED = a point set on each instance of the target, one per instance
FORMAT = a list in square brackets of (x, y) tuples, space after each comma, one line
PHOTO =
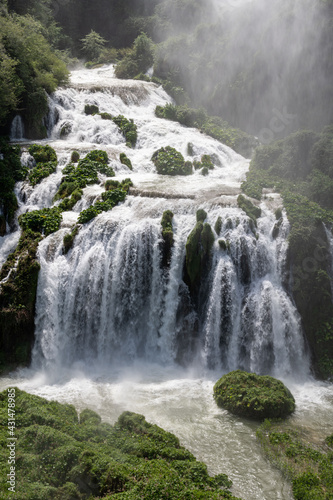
[(253, 396)]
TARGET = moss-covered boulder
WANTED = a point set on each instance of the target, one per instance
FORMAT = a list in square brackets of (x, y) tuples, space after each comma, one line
[(247, 206), (63, 456), (91, 109), (253, 396), (168, 161), (124, 160), (198, 247)]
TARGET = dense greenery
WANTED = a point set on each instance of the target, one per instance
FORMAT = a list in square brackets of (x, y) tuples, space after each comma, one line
[(11, 171), (128, 128), (130, 460), (300, 168), (29, 68), (308, 465), (17, 301), (211, 125), (253, 396), (168, 161)]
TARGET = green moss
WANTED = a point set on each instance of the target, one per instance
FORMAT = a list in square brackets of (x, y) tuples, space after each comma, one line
[(125, 161), (17, 301), (63, 456), (168, 161), (253, 396), (218, 226), (247, 206), (75, 156), (69, 239), (307, 465), (91, 109), (128, 129), (201, 215), (198, 247), (211, 125), (110, 199), (105, 116), (224, 244)]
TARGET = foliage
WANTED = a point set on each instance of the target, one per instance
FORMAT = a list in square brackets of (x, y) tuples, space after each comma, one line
[(168, 161), (211, 125), (62, 455), (110, 198), (75, 156), (253, 396), (42, 154), (17, 301), (28, 69), (128, 128), (69, 239), (11, 171), (247, 206), (40, 171), (125, 161), (307, 465), (139, 60), (92, 45), (45, 221), (298, 167)]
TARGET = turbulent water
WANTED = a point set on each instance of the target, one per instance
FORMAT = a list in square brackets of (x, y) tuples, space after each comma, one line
[(111, 306)]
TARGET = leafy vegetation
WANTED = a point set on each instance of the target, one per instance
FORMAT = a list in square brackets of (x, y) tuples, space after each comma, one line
[(253, 396), (299, 167), (128, 129), (63, 456), (168, 161), (138, 60), (125, 161), (29, 68), (11, 171), (17, 301), (167, 235), (309, 466), (210, 125)]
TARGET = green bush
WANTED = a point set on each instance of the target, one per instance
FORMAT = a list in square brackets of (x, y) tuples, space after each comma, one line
[(44, 221), (75, 156), (128, 129), (125, 161), (43, 154), (253, 396), (91, 109), (41, 171), (168, 161), (247, 206)]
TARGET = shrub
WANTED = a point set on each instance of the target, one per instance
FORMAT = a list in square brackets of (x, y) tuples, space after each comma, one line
[(168, 161), (44, 221), (75, 156), (41, 171), (43, 154), (253, 396), (125, 161), (128, 129)]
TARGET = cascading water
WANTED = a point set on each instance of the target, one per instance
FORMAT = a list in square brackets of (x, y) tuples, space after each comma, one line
[(112, 322), (109, 298), (17, 129)]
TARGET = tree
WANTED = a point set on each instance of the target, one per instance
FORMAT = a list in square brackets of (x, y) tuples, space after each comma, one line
[(92, 44)]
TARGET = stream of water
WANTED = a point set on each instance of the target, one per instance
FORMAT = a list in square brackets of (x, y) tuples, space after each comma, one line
[(115, 331)]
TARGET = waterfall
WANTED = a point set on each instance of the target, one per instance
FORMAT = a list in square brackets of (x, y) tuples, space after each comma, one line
[(110, 299), (17, 129)]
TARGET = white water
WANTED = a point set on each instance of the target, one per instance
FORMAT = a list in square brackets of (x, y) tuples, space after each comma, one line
[(17, 129), (111, 324)]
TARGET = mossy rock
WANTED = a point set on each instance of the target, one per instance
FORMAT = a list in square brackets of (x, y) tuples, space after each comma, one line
[(168, 161), (91, 109), (66, 457), (198, 247), (201, 215), (124, 160), (218, 226), (105, 116), (75, 156), (253, 396), (247, 206)]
